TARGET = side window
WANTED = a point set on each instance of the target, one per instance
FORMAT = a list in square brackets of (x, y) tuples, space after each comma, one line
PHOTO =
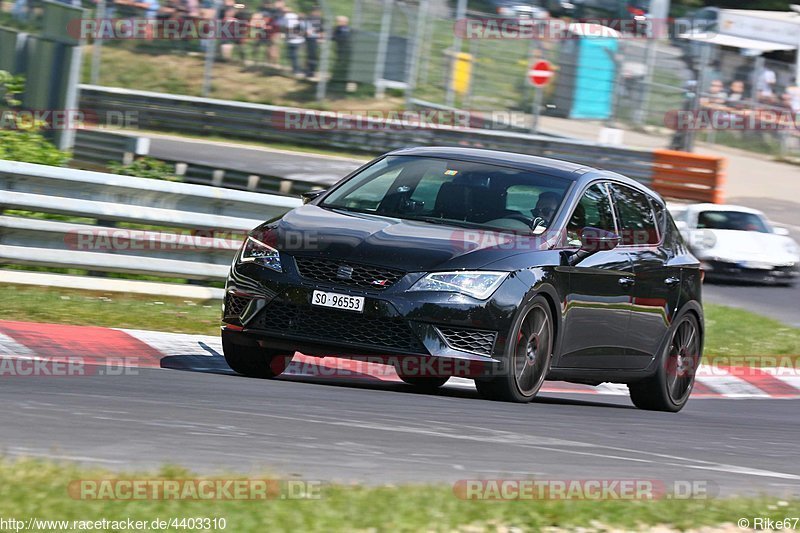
[(661, 217), (635, 217), (593, 211)]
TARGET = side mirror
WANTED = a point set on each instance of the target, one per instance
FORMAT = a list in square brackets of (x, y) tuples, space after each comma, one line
[(311, 195), (780, 231), (593, 240)]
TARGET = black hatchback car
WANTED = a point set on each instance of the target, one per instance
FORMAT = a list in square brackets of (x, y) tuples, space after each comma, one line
[(505, 268)]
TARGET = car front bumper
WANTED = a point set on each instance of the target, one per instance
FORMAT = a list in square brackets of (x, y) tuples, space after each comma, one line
[(729, 271), (274, 310)]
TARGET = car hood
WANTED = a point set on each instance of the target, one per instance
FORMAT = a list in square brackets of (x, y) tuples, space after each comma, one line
[(413, 246), (733, 245)]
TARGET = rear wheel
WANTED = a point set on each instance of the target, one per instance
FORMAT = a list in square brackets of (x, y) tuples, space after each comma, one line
[(670, 387), (527, 361), (254, 361), (425, 383)]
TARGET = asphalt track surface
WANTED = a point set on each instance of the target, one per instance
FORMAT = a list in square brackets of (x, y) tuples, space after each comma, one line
[(387, 432), (255, 159), (780, 303)]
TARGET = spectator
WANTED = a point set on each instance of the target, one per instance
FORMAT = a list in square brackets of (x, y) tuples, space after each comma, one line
[(341, 36), (315, 31), (716, 93), (151, 8), (243, 28), (793, 93), (713, 73), (269, 34), (293, 27), (764, 84), (737, 92)]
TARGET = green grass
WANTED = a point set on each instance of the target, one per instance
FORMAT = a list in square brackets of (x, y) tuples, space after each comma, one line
[(729, 331), (119, 310), (735, 332), (32, 488)]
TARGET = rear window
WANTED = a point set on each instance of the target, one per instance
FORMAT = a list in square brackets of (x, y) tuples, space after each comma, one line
[(731, 220)]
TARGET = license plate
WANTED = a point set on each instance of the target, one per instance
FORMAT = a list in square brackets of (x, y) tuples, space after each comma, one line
[(338, 301)]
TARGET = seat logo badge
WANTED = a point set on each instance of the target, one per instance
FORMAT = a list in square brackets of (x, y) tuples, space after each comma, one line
[(381, 282), (345, 272)]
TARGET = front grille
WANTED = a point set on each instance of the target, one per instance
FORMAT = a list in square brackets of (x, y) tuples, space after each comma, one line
[(235, 305), (349, 274), (469, 340), (334, 325)]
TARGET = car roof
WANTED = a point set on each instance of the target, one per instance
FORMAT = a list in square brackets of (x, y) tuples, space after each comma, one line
[(576, 172), (565, 169)]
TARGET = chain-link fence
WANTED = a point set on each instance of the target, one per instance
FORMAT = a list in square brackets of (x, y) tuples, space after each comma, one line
[(362, 49)]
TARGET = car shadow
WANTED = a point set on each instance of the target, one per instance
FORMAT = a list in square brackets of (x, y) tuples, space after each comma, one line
[(214, 363)]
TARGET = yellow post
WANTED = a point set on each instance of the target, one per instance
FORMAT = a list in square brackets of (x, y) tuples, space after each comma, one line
[(462, 72)]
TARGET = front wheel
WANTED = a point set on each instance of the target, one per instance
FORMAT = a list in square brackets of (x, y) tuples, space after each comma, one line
[(528, 359), (670, 387), (254, 361)]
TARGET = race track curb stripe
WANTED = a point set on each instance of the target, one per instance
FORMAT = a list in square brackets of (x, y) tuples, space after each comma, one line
[(203, 353)]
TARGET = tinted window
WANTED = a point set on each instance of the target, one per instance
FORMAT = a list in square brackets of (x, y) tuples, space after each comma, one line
[(635, 216), (464, 193), (593, 211), (733, 220)]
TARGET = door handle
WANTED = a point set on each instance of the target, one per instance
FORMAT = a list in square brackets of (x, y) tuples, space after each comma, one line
[(626, 282), (672, 281)]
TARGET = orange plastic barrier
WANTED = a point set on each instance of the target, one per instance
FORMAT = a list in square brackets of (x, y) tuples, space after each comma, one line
[(688, 176)]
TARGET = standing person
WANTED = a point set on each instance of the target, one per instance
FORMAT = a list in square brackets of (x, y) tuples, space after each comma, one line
[(341, 36), (269, 33), (315, 32), (294, 31)]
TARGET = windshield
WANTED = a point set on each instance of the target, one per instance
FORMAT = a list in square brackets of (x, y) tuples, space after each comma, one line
[(733, 220), (453, 192)]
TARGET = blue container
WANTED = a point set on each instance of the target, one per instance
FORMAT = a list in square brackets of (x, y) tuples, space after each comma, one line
[(586, 74)]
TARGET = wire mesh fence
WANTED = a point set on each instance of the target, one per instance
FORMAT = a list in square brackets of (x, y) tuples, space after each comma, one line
[(412, 48)]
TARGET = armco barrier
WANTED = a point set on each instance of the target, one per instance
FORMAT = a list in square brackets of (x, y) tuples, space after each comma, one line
[(207, 116), (109, 198)]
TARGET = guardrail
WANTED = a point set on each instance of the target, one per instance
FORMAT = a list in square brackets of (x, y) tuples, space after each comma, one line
[(694, 177), (142, 204)]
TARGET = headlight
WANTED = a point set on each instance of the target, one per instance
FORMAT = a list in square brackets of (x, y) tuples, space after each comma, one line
[(477, 284), (257, 252), (791, 248)]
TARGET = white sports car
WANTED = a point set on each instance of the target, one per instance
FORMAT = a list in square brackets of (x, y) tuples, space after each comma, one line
[(738, 243)]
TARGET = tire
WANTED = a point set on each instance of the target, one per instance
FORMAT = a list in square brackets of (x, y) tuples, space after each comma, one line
[(526, 361), (254, 361), (670, 387), (429, 384)]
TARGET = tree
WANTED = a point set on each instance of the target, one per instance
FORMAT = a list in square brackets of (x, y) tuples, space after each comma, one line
[(20, 137)]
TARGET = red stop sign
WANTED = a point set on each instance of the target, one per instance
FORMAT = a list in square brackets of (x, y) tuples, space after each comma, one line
[(539, 73)]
